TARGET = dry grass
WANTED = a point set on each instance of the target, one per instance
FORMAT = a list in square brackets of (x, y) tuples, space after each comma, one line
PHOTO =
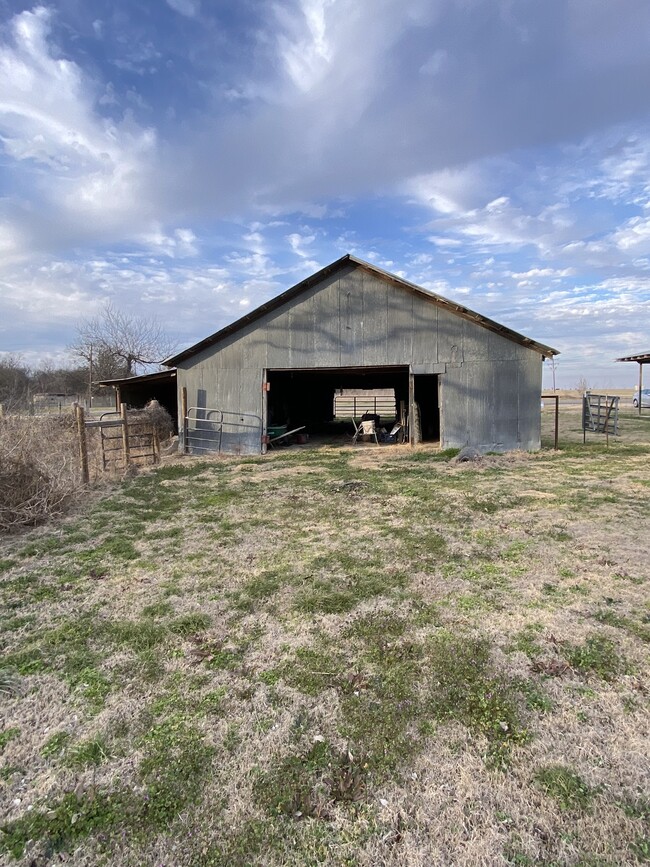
[(359, 656), (39, 472), (40, 468)]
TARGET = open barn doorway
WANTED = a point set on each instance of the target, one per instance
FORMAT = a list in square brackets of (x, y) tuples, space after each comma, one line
[(326, 400), (426, 396)]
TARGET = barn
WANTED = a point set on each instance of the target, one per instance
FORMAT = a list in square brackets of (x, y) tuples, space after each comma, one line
[(457, 378)]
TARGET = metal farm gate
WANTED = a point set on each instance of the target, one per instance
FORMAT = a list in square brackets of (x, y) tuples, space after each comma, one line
[(220, 431)]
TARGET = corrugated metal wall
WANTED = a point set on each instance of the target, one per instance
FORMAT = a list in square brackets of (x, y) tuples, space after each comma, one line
[(490, 386)]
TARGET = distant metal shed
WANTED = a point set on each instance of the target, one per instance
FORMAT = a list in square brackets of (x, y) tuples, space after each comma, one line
[(459, 377)]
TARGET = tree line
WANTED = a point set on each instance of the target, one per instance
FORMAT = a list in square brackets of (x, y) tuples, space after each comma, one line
[(111, 345)]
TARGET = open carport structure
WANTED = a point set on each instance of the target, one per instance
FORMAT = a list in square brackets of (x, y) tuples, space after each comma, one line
[(641, 359), (458, 378)]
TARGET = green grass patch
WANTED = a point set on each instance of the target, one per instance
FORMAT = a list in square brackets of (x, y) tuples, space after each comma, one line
[(467, 688), (174, 768), (88, 753), (158, 609), (56, 745), (7, 735), (64, 823), (596, 655), (565, 787), (337, 595), (190, 624), (620, 621), (306, 785), (312, 670)]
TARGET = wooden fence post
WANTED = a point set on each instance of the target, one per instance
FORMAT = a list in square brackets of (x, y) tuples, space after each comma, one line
[(83, 445), (183, 427), (125, 435)]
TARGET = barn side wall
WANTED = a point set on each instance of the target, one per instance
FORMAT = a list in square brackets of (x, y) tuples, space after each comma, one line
[(490, 386)]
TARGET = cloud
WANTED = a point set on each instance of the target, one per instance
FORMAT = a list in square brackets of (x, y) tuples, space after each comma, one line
[(496, 152), (83, 171), (189, 8)]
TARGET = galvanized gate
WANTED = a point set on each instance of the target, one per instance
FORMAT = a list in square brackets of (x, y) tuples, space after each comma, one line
[(599, 414), (223, 432)]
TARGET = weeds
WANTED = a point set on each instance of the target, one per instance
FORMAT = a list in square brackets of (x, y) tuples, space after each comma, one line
[(566, 787), (88, 753), (596, 655), (306, 785), (175, 764), (467, 688), (7, 735)]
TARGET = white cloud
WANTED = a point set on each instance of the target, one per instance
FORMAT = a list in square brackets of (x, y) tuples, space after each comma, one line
[(189, 8), (633, 235), (181, 244), (73, 162), (298, 242), (304, 45)]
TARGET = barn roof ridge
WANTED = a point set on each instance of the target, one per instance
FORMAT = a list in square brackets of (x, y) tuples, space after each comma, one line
[(348, 258)]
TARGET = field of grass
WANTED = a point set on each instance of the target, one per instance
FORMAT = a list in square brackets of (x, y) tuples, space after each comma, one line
[(346, 656)]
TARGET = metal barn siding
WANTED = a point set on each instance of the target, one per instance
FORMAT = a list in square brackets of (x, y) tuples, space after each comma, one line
[(357, 317)]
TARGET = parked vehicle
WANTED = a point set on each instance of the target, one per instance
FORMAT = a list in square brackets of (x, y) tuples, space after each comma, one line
[(645, 398)]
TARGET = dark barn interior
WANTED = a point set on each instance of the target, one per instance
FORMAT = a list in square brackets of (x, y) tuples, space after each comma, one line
[(306, 397)]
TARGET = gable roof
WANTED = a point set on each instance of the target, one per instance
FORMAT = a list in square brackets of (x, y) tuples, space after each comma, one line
[(344, 261)]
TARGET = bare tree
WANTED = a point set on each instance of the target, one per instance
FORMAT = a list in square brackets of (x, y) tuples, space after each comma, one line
[(14, 383), (131, 342)]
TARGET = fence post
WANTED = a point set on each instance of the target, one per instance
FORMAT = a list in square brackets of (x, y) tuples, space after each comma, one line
[(125, 435), (156, 445), (83, 445), (183, 424)]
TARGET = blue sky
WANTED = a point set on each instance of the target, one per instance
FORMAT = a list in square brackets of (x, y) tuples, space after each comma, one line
[(189, 159)]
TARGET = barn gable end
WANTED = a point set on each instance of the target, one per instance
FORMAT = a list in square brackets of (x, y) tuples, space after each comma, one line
[(357, 323)]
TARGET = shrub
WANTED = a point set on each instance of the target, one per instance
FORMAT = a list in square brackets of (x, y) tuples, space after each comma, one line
[(39, 469)]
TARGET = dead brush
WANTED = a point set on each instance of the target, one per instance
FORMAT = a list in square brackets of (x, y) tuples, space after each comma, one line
[(39, 469), (552, 667)]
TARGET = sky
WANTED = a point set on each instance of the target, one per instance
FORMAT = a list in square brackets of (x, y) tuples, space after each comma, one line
[(191, 159)]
